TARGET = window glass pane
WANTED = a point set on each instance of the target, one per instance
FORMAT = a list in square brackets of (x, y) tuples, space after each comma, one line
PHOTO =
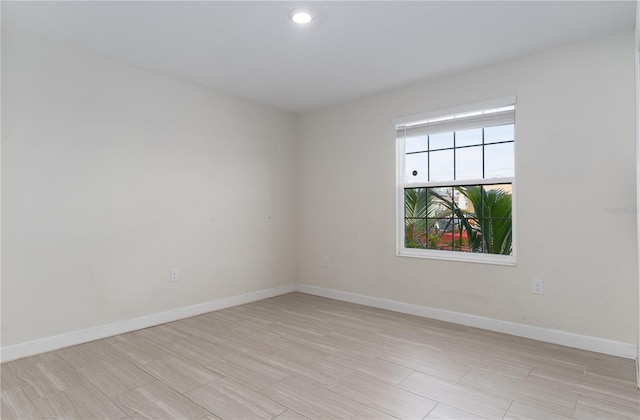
[(462, 201), (441, 168), (441, 141), (457, 237), (415, 144), (498, 160), (440, 234), (416, 167), (469, 137), (498, 133), (415, 207), (504, 187), (441, 201), (495, 220), (469, 163)]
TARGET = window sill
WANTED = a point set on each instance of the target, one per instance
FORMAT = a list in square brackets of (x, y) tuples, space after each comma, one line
[(508, 260)]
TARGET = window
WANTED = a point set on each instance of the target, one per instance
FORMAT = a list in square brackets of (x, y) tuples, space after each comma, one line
[(456, 183)]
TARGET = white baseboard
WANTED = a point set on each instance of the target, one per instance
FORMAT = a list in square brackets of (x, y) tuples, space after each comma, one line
[(46, 344), (584, 342), (73, 338)]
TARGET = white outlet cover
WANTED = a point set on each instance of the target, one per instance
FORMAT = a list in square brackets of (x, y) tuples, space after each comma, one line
[(538, 287)]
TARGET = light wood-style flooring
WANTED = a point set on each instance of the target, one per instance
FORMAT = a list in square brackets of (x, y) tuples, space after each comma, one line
[(304, 357)]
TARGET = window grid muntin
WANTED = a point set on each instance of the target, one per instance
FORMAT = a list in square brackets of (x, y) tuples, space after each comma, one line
[(483, 144), (451, 189)]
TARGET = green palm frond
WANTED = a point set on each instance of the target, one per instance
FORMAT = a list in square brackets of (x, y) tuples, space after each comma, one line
[(492, 210), (418, 208), (488, 224)]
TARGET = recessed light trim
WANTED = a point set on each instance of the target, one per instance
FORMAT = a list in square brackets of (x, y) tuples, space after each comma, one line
[(301, 17)]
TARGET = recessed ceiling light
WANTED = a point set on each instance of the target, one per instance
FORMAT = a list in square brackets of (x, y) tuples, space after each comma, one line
[(301, 17)]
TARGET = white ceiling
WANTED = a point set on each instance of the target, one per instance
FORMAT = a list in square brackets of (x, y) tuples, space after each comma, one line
[(351, 49)]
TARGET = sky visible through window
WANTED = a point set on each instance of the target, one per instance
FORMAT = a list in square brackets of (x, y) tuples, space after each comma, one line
[(459, 156)]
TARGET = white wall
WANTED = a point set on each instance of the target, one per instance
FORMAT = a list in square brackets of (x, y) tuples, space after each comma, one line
[(112, 175), (575, 156)]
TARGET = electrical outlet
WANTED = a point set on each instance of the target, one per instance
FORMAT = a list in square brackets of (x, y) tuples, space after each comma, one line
[(538, 287), (325, 262), (173, 275)]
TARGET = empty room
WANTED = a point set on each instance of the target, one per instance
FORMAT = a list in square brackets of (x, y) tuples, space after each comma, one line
[(319, 210)]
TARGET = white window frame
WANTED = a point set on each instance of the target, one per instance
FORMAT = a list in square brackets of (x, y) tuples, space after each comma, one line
[(401, 250)]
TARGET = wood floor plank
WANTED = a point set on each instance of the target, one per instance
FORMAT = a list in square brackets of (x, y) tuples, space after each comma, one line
[(78, 403), (613, 367), (558, 373), (202, 327), (481, 403), (428, 364), (297, 356), (16, 405), (522, 411), (301, 364), (486, 361), (46, 376), (388, 399), (8, 379), (589, 407), (138, 349), (446, 412), (115, 376), (301, 345), (290, 415), (245, 371), (591, 385), (371, 414), (197, 349), (231, 401), (49, 358), (88, 353), (356, 343), (311, 400), (180, 374), (557, 400), (388, 343), (528, 356), (158, 401), (380, 370), (162, 335)]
